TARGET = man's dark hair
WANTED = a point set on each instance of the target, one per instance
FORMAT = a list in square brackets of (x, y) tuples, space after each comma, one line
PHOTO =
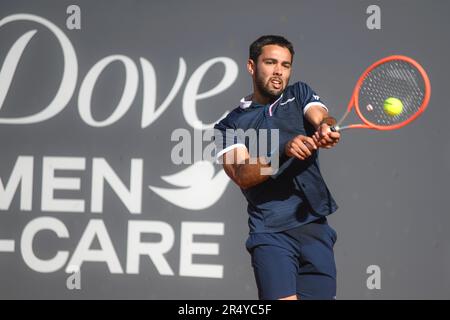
[(258, 44)]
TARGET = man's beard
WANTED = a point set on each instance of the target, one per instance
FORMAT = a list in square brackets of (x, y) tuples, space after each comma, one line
[(265, 91)]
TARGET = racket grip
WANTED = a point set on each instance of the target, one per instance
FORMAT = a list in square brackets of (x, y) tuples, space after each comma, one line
[(331, 122), (335, 128)]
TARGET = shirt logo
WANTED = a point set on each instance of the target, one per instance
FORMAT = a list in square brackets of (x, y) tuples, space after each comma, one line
[(287, 101)]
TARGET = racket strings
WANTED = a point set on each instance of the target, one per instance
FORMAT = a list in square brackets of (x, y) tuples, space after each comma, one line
[(393, 79)]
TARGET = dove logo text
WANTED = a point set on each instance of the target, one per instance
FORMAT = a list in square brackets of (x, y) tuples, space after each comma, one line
[(150, 112)]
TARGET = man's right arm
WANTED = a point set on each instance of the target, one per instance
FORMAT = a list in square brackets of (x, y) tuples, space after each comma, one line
[(247, 172), (243, 170)]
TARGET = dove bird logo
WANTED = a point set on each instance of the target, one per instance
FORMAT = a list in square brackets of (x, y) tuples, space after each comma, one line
[(198, 187)]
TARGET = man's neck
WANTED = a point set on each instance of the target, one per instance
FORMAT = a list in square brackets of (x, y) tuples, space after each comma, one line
[(260, 99)]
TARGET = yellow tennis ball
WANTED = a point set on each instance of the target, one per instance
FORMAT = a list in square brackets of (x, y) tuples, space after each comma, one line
[(393, 106)]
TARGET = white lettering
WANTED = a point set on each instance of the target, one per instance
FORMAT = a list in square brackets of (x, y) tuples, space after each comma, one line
[(95, 228), (191, 94), (155, 250), (22, 174), (132, 198), (149, 111), (50, 183), (69, 78), (129, 91), (190, 248), (26, 244)]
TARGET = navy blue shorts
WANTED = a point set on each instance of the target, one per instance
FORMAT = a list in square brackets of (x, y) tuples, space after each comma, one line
[(297, 261)]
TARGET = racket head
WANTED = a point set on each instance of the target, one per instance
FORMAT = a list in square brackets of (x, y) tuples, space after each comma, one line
[(395, 76)]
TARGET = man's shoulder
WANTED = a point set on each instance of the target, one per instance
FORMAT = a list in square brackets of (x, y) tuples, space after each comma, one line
[(302, 92), (298, 87), (231, 118)]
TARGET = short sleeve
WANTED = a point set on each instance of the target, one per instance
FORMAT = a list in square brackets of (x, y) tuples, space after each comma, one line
[(308, 97), (226, 137)]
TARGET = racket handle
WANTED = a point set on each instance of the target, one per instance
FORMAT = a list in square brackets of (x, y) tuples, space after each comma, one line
[(334, 128), (331, 122)]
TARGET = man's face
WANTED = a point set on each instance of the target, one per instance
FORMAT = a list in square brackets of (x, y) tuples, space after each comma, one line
[(272, 71)]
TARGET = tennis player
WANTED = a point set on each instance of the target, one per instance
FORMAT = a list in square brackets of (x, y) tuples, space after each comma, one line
[(290, 241)]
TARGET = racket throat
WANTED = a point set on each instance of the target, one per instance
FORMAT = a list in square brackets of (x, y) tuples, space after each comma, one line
[(338, 124)]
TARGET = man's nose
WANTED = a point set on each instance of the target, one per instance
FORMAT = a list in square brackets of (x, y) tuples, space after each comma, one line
[(277, 70)]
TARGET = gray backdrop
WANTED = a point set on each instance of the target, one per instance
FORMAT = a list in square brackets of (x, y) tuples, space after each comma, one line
[(392, 187)]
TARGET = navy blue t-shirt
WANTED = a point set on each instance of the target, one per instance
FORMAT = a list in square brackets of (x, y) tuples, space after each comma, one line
[(297, 194)]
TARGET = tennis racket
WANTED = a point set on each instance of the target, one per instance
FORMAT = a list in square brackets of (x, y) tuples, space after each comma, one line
[(396, 79)]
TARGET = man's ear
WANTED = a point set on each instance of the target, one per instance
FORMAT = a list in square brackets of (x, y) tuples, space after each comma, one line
[(251, 67)]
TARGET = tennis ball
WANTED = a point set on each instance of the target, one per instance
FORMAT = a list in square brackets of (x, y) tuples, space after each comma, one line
[(393, 106)]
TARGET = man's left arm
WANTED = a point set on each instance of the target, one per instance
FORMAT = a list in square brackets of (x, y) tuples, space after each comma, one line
[(319, 118)]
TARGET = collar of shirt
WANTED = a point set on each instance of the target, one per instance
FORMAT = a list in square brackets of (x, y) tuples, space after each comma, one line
[(247, 102)]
